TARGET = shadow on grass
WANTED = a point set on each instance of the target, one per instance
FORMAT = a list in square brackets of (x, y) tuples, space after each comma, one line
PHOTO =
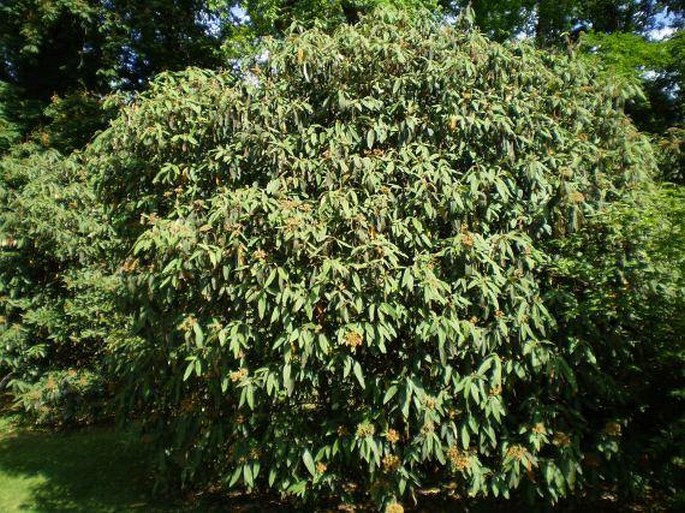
[(94, 470), (90, 471)]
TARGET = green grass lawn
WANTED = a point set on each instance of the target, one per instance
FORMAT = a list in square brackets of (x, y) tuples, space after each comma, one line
[(95, 470)]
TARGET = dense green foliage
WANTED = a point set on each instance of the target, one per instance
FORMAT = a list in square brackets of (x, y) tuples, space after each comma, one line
[(619, 32), (351, 257), (56, 307), (57, 46), (672, 155), (621, 284), (388, 257)]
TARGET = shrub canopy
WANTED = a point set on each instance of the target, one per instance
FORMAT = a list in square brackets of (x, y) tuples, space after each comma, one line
[(347, 262)]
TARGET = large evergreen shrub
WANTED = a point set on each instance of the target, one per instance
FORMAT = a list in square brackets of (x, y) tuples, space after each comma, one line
[(352, 264)]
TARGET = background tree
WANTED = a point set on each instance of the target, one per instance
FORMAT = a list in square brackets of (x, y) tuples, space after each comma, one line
[(71, 51), (56, 302)]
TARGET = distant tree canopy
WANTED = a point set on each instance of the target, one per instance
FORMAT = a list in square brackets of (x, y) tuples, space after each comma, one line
[(79, 48), (548, 20), (657, 66), (56, 46)]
